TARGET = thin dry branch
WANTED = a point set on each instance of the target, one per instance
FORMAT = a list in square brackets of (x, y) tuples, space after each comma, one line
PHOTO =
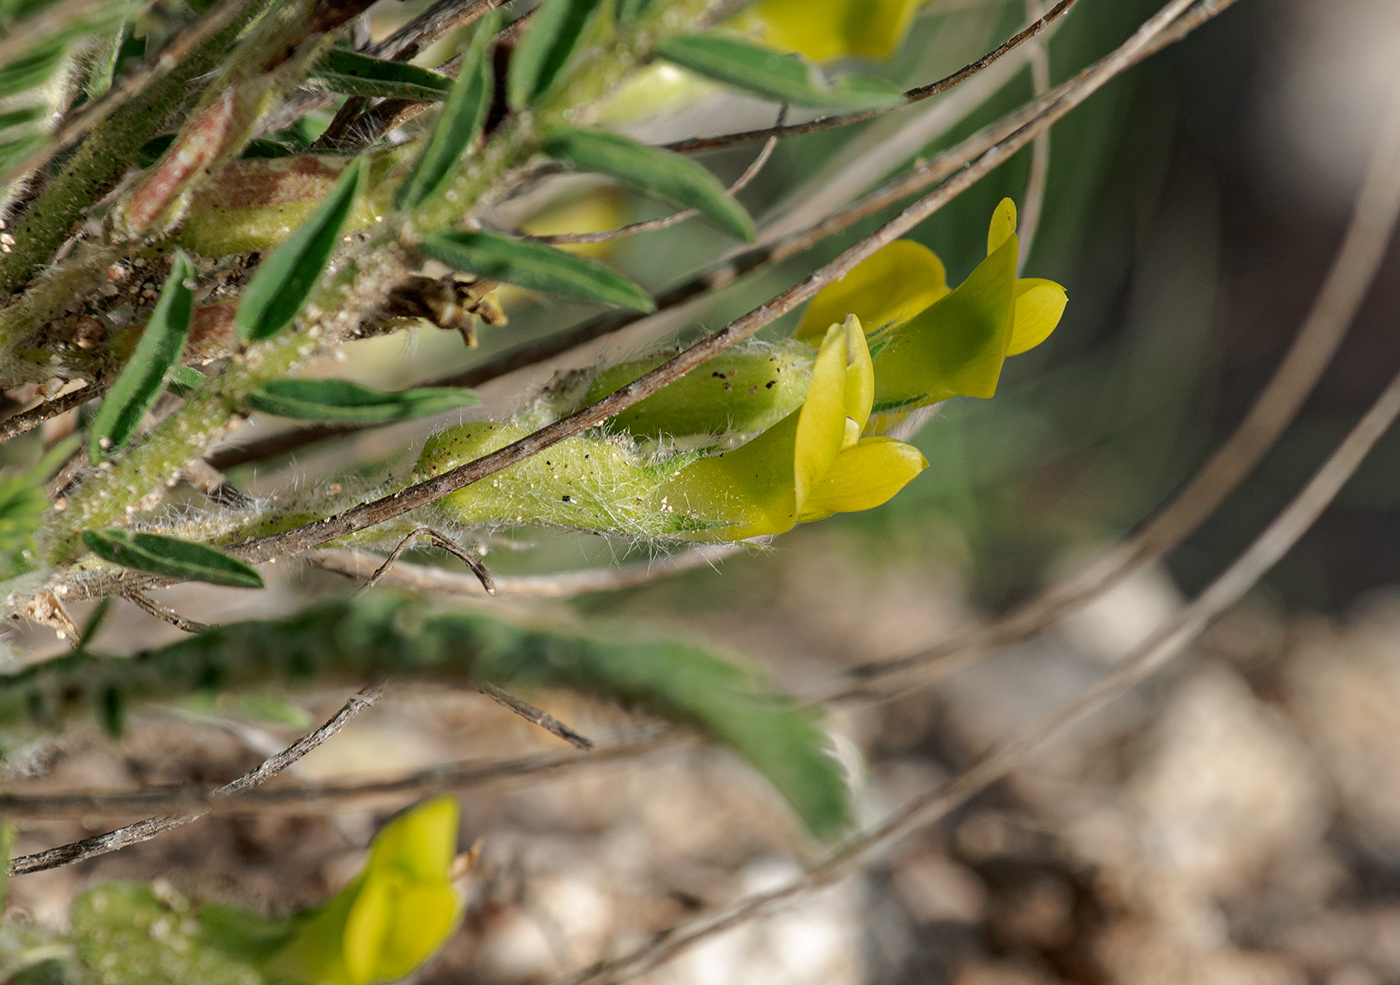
[(1374, 218), (421, 494), (535, 716), (316, 797), (1149, 657), (153, 827), (915, 95), (30, 419), (164, 613), (569, 584)]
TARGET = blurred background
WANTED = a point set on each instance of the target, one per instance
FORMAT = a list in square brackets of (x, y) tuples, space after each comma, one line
[(1235, 821)]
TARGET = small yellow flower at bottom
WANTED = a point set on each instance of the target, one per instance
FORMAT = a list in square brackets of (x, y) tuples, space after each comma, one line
[(392, 918)]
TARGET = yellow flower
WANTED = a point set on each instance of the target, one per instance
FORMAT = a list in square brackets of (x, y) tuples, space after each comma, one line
[(392, 917), (811, 464), (824, 30), (931, 342)]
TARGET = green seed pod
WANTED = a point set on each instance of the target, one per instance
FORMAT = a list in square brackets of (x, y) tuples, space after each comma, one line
[(582, 483), (746, 391)]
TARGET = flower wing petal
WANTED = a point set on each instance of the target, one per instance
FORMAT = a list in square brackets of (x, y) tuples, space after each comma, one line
[(888, 288), (864, 476)]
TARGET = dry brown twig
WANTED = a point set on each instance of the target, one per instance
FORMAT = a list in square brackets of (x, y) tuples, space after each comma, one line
[(153, 827)]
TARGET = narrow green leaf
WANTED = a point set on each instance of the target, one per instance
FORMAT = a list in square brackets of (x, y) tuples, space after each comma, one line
[(156, 354), (169, 556), (23, 500), (289, 274), (652, 170), (354, 74), (344, 402), (536, 266), (462, 118), (30, 69), (389, 636), (551, 39), (775, 75)]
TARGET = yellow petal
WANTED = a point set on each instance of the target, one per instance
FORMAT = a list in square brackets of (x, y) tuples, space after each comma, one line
[(367, 927), (860, 375), (827, 29), (423, 917), (1003, 225), (888, 288), (316, 951), (420, 843), (864, 477), (821, 423), (956, 346), (1039, 305)]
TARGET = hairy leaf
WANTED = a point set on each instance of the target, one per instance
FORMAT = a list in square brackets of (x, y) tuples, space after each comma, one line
[(385, 636), (344, 402), (536, 266), (652, 170), (356, 74), (461, 119), (156, 355), (774, 75), (171, 557), (287, 277), (554, 34), (138, 938)]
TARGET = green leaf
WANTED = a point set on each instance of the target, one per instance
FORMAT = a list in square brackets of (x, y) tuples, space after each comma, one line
[(171, 557), (23, 500), (775, 75), (138, 938), (536, 266), (554, 34), (354, 74), (344, 402), (156, 354), (652, 170), (461, 119), (287, 277)]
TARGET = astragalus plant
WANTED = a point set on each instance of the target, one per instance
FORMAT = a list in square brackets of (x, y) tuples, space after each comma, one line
[(204, 201)]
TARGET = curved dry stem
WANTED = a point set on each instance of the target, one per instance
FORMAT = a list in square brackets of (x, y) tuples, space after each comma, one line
[(1137, 666), (1349, 280), (1034, 202), (359, 565)]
